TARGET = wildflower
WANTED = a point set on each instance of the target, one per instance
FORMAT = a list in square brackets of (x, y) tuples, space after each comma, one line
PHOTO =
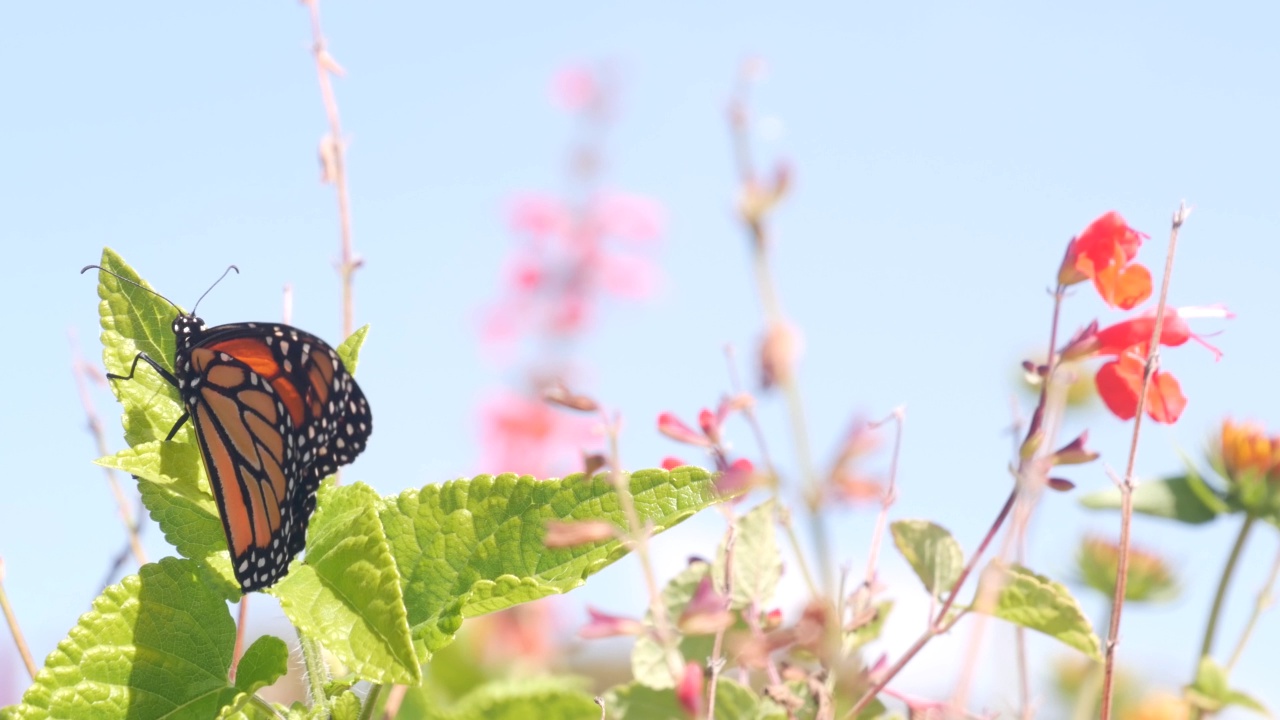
[(603, 625), (1150, 576), (1104, 253), (689, 689), (525, 435), (671, 463), (707, 611), (1245, 452), (1120, 385)]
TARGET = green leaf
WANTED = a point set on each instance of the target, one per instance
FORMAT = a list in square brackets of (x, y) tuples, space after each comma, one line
[(1038, 603), (347, 592), (869, 629), (470, 547), (263, 663), (176, 493), (556, 698), (757, 561), (156, 645), (1184, 498), (1211, 692), (932, 552), (345, 706), (133, 321), (349, 350), (650, 665), (635, 701)]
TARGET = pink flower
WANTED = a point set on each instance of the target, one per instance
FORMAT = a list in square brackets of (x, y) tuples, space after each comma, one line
[(603, 625), (631, 218), (575, 88), (671, 463), (526, 435), (539, 216), (689, 689)]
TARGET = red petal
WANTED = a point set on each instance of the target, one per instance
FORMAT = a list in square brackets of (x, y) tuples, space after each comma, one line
[(1116, 387), (1165, 401)]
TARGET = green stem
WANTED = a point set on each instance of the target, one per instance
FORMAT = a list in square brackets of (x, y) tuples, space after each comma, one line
[(372, 701), (1220, 597), (1260, 606), (317, 672)]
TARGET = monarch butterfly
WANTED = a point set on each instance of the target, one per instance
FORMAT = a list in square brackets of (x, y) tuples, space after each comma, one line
[(275, 412)]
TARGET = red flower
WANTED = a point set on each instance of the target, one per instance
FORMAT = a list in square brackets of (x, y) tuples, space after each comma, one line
[(1104, 253), (689, 689), (528, 436), (671, 463), (604, 625), (1120, 384)]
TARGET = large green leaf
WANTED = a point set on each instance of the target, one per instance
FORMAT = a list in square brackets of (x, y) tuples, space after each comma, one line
[(471, 547), (156, 645), (347, 593), (1184, 498), (1038, 603), (137, 321), (757, 561), (932, 552)]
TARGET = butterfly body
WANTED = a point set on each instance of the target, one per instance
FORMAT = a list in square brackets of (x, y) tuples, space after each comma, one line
[(275, 412)]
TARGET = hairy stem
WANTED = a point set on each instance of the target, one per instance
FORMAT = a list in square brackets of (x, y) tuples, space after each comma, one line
[(316, 670)]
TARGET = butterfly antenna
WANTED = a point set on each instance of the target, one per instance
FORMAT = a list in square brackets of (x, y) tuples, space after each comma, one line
[(117, 276), (215, 284)]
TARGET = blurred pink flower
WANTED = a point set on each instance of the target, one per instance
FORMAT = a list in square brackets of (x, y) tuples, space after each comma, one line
[(628, 217), (526, 435), (574, 88), (603, 625)]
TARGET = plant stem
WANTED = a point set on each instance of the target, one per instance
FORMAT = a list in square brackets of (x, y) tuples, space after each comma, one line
[(12, 621), (716, 663), (371, 701), (1126, 484), (939, 623), (1219, 598), (1260, 606), (317, 671), (788, 528), (639, 540), (237, 651), (82, 370)]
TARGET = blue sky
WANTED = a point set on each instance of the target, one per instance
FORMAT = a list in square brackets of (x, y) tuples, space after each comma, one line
[(943, 155)]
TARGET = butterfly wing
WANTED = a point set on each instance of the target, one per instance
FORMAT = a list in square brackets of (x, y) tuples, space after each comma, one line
[(275, 412)]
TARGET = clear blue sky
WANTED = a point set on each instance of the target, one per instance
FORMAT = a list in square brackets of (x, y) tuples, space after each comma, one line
[(944, 155)]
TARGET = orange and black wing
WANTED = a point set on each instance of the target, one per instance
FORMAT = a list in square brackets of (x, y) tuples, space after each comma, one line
[(275, 412)]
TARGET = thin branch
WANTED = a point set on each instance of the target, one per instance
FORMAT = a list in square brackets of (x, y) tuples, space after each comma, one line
[(638, 535), (394, 698), (716, 663), (773, 317), (753, 421), (237, 650), (890, 494), (371, 701), (333, 156), (1264, 601), (1126, 485), (12, 621), (940, 623), (82, 371)]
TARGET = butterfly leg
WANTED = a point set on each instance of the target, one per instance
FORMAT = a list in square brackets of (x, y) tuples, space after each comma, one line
[(168, 376)]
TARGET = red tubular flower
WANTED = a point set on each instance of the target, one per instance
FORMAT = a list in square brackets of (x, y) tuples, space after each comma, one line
[(1120, 383), (674, 428), (671, 462), (1104, 253), (604, 625), (689, 689)]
